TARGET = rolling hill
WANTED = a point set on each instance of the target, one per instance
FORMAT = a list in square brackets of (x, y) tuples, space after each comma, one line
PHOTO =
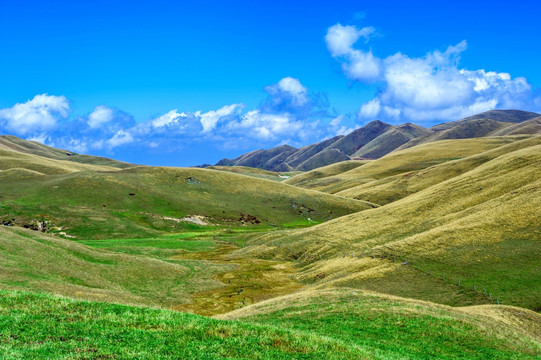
[(477, 221), (430, 251), (96, 201), (377, 139), (340, 324)]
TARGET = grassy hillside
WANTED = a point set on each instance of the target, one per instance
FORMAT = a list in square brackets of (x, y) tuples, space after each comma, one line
[(323, 325), (19, 145), (391, 327), (30, 260), (481, 226), (249, 171), (530, 127), (12, 160), (145, 201), (508, 116), (323, 158), (403, 161), (392, 188), (325, 171)]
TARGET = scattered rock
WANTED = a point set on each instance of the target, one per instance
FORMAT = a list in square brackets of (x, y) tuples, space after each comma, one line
[(192, 181), (196, 219)]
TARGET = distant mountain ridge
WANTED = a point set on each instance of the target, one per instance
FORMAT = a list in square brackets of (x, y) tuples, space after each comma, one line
[(377, 139)]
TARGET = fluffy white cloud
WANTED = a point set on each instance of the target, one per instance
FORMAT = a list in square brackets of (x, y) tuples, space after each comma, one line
[(101, 115), (211, 118), (428, 88), (168, 119), (358, 65), (34, 116), (120, 138), (288, 89), (264, 126)]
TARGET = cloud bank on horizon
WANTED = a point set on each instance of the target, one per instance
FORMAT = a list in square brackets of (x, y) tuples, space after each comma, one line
[(428, 89), (289, 114)]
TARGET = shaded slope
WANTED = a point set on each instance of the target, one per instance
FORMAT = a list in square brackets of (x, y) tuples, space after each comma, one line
[(390, 140), (307, 152), (360, 137), (258, 158), (481, 227), (323, 158)]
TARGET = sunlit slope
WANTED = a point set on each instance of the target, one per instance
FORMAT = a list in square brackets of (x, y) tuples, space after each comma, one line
[(403, 161), (8, 142), (481, 227), (318, 325), (393, 327), (30, 260), (325, 171), (392, 188), (144, 201), (249, 171), (13, 160), (531, 127)]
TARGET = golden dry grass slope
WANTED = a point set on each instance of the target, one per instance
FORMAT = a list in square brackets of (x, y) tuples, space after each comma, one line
[(477, 222), (399, 162)]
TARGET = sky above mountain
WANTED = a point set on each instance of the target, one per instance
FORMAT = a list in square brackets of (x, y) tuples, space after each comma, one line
[(184, 83)]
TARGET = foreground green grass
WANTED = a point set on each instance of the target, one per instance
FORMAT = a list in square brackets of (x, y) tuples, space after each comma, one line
[(398, 328), (30, 260), (330, 326)]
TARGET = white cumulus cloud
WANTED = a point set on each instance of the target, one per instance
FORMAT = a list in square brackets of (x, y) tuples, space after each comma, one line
[(358, 65), (120, 138), (210, 119), (101, 115), (288, 88), (170, 118), (35, 116), (427, 88)]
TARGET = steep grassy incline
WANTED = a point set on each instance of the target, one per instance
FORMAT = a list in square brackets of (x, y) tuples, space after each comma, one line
[(392, 188), (322, 325), (480, 227), (145, 201), (400, 162), (325, 171), (33, 261)]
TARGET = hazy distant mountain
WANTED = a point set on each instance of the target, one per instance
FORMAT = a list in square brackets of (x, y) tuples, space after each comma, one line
[(377, 139)]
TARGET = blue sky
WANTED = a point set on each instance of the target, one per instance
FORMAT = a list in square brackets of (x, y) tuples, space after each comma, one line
[(184, 83)]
